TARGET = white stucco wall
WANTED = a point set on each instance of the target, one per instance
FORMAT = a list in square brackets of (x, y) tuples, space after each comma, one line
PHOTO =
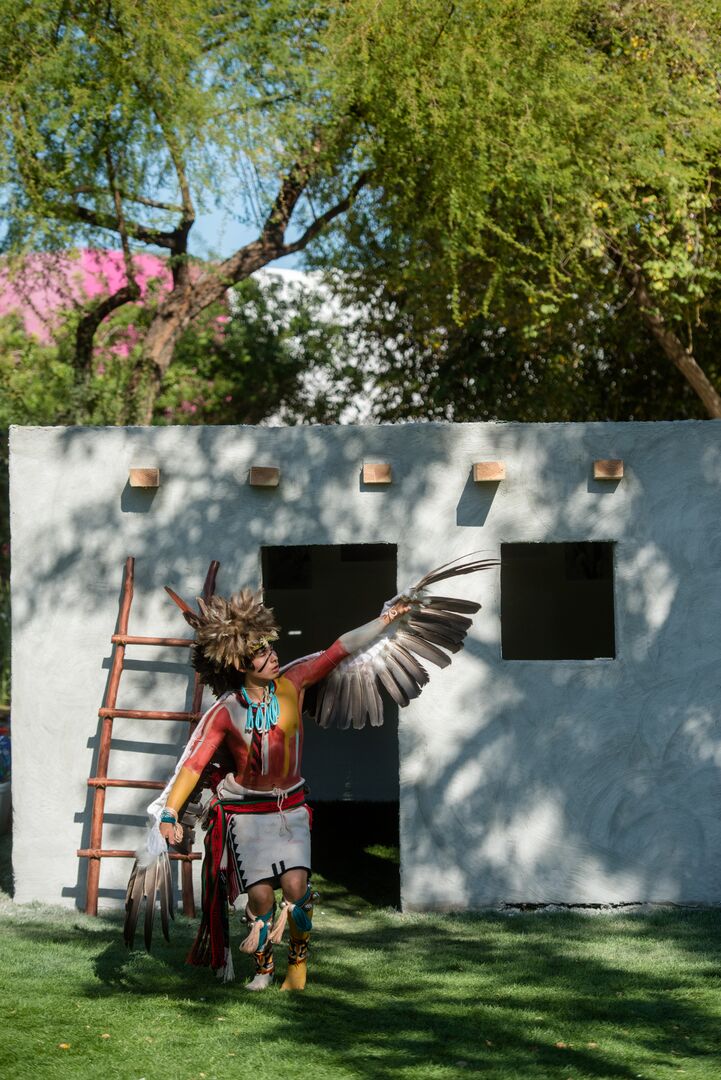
[(574, 781)]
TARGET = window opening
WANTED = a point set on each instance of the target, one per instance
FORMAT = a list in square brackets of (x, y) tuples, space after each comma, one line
[(557, 601)]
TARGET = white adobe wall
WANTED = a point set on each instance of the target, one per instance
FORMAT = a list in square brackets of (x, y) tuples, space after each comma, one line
[(575, 781)]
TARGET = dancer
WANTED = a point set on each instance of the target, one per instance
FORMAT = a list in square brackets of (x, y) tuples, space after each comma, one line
[(257, 820)]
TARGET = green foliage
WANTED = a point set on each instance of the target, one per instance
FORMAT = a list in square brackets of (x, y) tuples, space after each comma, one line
[(592, 362), (528, 151), (279, 354), (170, 98), (271, 351), (523, 155)]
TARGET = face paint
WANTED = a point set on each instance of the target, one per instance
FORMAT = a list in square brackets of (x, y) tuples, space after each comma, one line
[(270, 652)]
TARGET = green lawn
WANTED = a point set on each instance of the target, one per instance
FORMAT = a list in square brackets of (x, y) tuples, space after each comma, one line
[(390, 996)]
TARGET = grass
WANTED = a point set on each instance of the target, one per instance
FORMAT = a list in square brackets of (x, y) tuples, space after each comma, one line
[(413, 997)]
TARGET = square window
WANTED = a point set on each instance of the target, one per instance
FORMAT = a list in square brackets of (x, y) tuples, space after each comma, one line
[(557, 601)]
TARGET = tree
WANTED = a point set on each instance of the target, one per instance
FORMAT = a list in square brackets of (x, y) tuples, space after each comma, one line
[(498, 159), (542, 153), (590, 363), (122, 116), (270, 349)]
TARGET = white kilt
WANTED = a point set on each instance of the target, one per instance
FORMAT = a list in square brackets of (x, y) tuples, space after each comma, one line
[(264, 846)]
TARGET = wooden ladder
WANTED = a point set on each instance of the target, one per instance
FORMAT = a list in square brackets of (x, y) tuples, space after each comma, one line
[(107, 713)]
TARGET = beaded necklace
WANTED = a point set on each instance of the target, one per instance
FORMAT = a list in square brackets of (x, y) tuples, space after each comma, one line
[(261, 715)]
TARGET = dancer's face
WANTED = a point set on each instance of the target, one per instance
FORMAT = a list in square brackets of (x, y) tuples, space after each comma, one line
[(265, 665)]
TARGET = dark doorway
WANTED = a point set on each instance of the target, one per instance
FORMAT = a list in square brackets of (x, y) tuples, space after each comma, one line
[(318, 592), (557, 601)]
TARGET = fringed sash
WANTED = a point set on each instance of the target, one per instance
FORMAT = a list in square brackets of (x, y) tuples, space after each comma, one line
[(219, 888)]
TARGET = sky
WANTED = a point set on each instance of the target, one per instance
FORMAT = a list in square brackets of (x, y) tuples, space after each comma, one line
[(217, 235)]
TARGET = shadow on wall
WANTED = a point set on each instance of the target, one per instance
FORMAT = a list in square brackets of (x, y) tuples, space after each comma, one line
[(549, 798), (569, 801)]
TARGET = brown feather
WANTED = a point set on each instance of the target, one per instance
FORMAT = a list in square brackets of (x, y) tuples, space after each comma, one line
[(419, 645), (356, 704), (132, 908), (409, 662), (164, 897), (151, 882), (406, 681), (375, 705), (326, 708), (436, 636), (449, 603), (444, 618), (342, 707), (395, 691), (448, 570), (171, 891)]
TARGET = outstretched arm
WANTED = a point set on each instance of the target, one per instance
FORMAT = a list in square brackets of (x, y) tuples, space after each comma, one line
[(311, 671), (365, 635)]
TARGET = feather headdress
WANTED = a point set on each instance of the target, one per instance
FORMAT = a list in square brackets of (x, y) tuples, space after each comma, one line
[(227, 635)]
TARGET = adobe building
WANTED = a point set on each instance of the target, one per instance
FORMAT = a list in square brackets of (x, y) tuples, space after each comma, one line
[(572, 751)]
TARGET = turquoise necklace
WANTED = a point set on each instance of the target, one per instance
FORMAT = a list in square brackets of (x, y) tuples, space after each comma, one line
[(261, 715)]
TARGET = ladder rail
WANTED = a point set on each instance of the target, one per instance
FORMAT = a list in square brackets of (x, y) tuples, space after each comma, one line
[(118, 853), (109, 712), (147, 714), (106, 734)]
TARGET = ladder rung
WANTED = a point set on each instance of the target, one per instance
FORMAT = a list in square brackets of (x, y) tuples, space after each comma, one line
[(104, 781), (130, 639), (100, 853), (149, 714)]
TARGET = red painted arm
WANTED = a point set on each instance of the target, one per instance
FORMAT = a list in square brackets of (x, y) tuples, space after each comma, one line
[(312, 671), (207, 740)]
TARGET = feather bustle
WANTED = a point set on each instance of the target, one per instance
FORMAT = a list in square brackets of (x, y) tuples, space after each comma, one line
[(433, 627)]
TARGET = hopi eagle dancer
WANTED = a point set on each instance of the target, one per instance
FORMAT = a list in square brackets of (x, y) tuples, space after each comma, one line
[(257, 820)]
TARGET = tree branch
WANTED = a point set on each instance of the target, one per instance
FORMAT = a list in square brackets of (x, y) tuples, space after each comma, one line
[(179, 265), (120, 215), (91, 320), (76, 212), (320, 223), (89, 190), (671, 346)]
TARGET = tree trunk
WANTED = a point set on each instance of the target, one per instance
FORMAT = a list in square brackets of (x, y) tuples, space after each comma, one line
[(184, 304), (672, 347), (191, 297)]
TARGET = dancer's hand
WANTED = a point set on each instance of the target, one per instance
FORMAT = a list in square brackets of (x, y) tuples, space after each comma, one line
[(173, 834), (391, 613)]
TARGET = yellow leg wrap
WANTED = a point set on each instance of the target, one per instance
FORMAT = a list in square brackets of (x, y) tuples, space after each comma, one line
[(297, 958)]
